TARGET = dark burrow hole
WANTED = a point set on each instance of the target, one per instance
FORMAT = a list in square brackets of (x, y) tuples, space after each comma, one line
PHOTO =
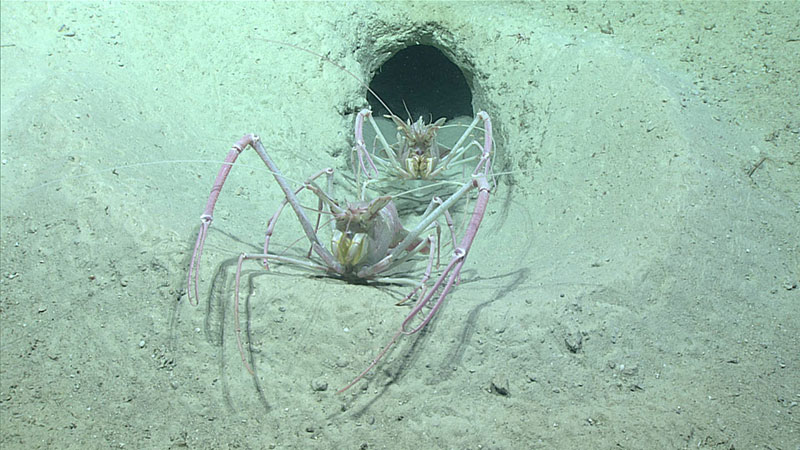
[(426, 81)]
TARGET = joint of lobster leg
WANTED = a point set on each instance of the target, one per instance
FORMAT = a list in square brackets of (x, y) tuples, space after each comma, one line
[(361, 148), (247, 139), (458, 253)]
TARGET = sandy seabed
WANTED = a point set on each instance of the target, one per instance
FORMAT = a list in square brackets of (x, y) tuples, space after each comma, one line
[(634, 283)]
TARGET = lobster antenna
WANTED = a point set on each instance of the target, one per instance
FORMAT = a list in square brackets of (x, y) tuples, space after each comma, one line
[(335, 64), (150, 163), (407, 111)]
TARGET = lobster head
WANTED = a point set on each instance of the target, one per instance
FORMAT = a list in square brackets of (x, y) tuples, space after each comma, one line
[(364, 232), (419, 148)]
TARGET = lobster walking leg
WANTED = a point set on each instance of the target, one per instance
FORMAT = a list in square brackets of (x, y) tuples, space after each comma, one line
[(208, 214), (361, 148), (274, 219)]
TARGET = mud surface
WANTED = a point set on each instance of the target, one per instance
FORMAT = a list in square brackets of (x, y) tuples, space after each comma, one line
[(634, 283)]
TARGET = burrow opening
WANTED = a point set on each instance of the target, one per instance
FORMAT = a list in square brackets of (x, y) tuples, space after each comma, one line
[(422, 80)]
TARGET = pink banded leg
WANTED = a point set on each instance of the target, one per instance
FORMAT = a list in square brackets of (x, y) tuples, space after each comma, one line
[(361, 147), (208, 216), (274, 218)]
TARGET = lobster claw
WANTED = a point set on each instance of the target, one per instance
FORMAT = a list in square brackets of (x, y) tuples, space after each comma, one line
[(419, 166), (349, 251)]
